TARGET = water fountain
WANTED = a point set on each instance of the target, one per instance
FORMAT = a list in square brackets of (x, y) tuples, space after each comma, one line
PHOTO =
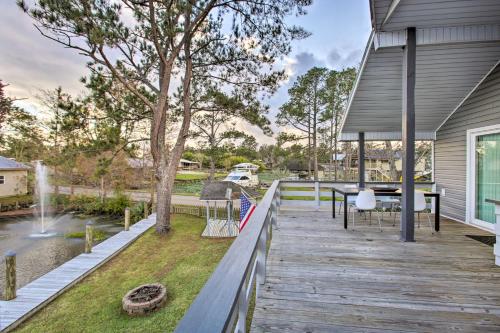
[(42, 197)]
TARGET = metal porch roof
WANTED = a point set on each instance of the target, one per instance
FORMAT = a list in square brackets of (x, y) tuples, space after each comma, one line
[(450, 62)]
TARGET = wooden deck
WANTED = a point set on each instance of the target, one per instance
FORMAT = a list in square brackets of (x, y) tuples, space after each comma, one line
[(321, 278), (36, 294)]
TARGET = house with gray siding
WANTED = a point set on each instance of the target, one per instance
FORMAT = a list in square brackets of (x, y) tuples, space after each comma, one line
[(430, 71), (456, 155)]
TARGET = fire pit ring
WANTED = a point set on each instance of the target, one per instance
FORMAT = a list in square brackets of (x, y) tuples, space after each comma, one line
[(144, 299)]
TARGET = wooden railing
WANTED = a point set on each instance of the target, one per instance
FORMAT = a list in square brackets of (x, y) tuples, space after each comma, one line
[(222, 304)]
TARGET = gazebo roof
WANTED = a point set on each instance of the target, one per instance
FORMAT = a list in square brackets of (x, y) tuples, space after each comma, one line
[(217, 191)]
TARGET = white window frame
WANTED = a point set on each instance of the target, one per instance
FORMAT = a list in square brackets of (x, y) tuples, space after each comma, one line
[(470, 207)]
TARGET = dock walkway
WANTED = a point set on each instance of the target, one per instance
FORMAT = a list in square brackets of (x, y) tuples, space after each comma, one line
[(36, 294)]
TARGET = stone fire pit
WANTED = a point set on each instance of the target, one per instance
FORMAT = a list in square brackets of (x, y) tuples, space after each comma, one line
[(144, 299)]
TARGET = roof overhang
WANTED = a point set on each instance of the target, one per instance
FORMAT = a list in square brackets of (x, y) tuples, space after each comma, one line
[(451, 61)]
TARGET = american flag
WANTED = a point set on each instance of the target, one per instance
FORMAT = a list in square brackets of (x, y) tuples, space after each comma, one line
[(246, 210)]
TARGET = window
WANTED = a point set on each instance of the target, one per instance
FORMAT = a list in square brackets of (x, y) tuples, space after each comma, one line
[(2, 179)]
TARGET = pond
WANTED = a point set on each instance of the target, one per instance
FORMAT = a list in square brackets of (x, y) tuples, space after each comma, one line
[(37, 253)]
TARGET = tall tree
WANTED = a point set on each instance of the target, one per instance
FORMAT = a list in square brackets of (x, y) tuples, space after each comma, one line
[(20, 132), (337, 90), (304, 110), (154, 45), (215, 118)]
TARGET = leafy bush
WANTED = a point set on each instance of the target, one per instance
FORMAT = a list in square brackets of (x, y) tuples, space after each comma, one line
[(117, 204)]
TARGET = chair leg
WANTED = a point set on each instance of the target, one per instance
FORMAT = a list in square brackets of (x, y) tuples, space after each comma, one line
[(379, 221), (418, 219), (370, 217), (353, 214), (340, 208), (394, 219), (429, 219)]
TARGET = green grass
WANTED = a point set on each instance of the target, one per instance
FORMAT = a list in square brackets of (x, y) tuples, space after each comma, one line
[(98, 235), (196, 176), (188, 188), (182, 261), (304, 197), (191, 176)]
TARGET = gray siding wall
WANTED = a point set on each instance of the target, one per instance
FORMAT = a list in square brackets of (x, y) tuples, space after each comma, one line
[(450, 160)]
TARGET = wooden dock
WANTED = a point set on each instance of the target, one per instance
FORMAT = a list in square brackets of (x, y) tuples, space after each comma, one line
[(321, 278), (38, 293)]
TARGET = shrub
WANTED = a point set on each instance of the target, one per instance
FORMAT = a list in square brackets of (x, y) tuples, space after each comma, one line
[(116, 205)]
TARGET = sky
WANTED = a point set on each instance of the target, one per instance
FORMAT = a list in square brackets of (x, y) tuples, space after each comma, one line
[(30, 63)]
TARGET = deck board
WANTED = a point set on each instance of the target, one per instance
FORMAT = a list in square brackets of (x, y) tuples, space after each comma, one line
[(41, 291), (321, 278)]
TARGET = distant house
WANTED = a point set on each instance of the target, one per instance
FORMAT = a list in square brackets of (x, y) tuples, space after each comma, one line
[(13, 177), (189, 165), (301, 169)]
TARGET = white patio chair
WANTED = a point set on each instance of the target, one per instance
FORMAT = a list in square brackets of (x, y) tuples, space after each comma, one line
[(420, 205), (365, 201), (350, 199), (387, 201)]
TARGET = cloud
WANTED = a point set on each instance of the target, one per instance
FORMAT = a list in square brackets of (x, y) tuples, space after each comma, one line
[(30, 62), (338, 60), (301, 63)]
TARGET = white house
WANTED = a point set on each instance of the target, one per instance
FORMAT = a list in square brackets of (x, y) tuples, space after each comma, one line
[(13, 177)]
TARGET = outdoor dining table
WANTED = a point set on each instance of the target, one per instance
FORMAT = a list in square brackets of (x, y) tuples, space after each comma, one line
[(386, 192)]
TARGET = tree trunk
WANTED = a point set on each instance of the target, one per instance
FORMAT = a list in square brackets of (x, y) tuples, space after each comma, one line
[(71, 185), (211, 175), (392, 161), (167, 171), (103, 190), (335, 146), (309, 146), (56, 179), (315, 150), (152, 189)]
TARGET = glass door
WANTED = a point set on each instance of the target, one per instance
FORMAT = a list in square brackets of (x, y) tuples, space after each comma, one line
[(486, 177)]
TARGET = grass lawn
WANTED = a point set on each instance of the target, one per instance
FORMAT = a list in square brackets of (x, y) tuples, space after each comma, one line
[(182, 261)]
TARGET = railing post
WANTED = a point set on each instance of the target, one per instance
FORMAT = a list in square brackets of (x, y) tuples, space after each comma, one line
[(127, 219), (89, 237), (274, 213), (242, 310), (316, 194), (146, 210), (278, 195), (261, 256), (10, 276)]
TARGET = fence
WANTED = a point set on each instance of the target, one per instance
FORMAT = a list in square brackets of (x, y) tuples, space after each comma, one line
[(201, 211)]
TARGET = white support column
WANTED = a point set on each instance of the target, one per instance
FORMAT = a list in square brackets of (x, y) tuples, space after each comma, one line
[(316, 194), (496, 248)]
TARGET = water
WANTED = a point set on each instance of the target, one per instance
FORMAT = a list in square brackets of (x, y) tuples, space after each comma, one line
[(38, 253)]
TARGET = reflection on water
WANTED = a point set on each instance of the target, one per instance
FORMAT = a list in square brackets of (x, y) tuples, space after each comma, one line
[(39, 255)]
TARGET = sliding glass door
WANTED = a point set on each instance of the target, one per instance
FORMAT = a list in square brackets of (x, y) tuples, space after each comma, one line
[(484, 176)]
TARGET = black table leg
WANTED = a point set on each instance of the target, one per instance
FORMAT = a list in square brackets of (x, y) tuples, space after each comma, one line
[(333, 203), (437, 214), (345, 210)]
